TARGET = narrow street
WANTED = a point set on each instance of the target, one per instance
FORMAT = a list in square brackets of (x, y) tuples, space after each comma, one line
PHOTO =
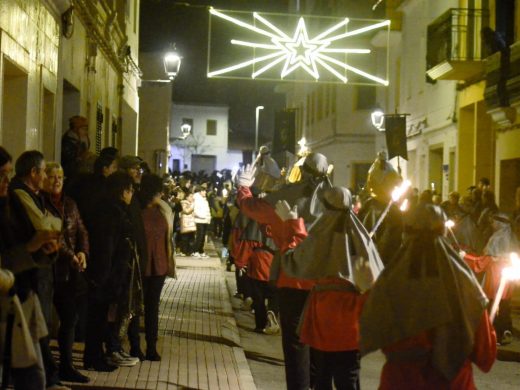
[(265, 357)]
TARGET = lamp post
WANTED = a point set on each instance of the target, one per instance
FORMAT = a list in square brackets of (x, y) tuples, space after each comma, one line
[(257, 114), (172, 64)]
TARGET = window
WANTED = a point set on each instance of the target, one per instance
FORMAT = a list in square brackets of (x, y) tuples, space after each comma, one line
[(366, 97), (211, 127)]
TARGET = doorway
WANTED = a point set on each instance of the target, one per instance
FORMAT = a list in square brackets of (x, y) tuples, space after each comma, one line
[(71, 104), (14, 109), (435, 170)]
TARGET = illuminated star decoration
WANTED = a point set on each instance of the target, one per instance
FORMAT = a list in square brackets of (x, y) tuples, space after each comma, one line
[(299, 51)]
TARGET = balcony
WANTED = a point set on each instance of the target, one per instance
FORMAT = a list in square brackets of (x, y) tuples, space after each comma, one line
[(455, 50)]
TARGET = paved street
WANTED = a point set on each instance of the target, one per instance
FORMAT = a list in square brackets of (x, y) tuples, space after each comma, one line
[(207, 342), (265, 357)]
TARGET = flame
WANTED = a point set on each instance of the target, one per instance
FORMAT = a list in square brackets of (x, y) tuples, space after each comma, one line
[(513, 271), (399, 191), (449, 224), (404, 205)]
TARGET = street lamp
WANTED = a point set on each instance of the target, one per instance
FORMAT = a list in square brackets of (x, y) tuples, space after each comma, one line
[(378, 119), (172, 63), (257, 114)]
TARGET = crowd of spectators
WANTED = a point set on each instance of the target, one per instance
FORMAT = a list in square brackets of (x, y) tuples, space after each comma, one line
[(92, 238)]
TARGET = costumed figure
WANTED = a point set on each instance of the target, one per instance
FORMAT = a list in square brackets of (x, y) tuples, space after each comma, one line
[(428, 313), (494, 259), (292, 292), (382, 178), (340, 256)]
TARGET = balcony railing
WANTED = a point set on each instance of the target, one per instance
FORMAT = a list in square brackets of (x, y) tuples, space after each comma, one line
[(455, 49)]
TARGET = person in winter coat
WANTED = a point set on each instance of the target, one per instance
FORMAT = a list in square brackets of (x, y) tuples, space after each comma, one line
[(158, 226), (427, 313), (187, 226), (70, 285), (22, 251), (202, 214), (113, 267)]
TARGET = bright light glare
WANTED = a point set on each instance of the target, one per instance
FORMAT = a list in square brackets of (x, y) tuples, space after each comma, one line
[(172, 57), (398, 192), (513, 271), (300, 50), (449, 224), (404, 205)]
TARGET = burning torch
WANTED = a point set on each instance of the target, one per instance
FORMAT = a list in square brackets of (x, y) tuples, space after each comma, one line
[(397, 193), (509, 274)]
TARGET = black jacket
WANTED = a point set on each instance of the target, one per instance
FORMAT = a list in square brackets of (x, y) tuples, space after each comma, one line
[(111, 240)]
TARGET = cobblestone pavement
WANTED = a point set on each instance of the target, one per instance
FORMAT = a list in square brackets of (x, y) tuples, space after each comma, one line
[(198, 337)]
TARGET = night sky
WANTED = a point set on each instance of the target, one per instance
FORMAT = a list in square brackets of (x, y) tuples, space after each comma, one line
[(167, 21)]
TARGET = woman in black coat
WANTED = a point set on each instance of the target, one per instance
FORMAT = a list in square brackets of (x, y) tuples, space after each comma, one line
[(111, 273)]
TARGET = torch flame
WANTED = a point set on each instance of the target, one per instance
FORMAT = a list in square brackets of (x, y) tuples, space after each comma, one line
[(449, 224), (513, 271), (399, 191)]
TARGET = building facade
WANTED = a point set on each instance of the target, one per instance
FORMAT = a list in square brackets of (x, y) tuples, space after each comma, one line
[(461, 92), (206, 146), (57, 61)]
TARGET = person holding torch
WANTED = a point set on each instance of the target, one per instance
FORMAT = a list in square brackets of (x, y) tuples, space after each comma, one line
[(427, 312), (494, 259)]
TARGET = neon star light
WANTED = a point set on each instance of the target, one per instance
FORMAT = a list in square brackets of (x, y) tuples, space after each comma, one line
[(298, 50)]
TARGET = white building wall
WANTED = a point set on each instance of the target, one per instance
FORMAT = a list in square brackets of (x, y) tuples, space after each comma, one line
[(431, 106), (36, 58), (198, 142)]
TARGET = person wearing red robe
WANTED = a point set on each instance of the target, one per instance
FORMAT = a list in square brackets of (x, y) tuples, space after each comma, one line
[(292, 292), (341, 258), (427, 313), (494, 259)]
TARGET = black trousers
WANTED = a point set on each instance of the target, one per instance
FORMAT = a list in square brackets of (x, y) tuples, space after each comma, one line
[(217, 226), (297, 355), (341, 367), (200, 237), (68, 306), (260, 292), (244, 286), (186, 243), (152, 286), (95, 328), (114, 340), (45, 294)]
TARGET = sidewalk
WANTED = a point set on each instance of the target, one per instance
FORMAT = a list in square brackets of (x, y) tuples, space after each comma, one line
[(198, 337)]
